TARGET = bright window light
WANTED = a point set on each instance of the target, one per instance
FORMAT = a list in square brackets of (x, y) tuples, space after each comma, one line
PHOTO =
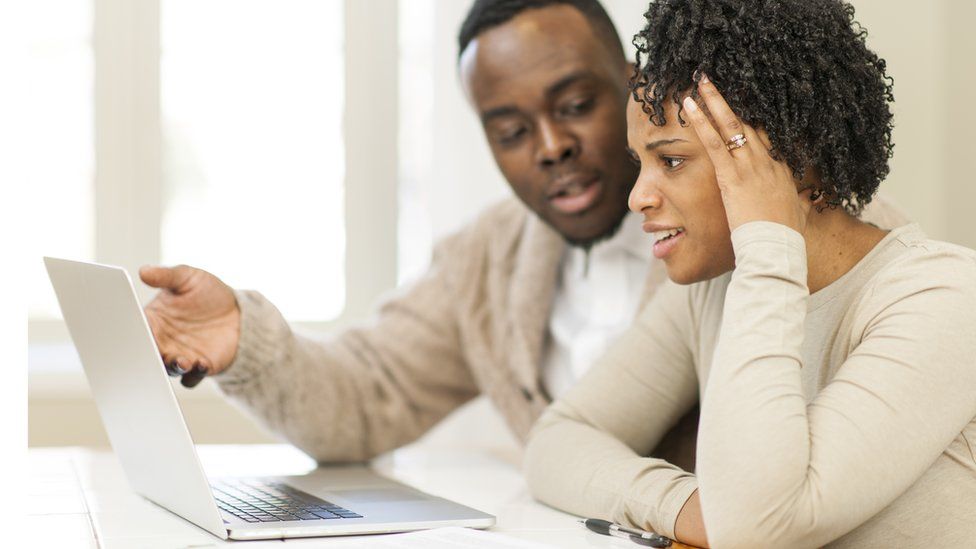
[(252, 103), (56, 123)]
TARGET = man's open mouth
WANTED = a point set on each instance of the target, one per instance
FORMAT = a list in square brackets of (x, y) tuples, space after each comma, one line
[(575, 194)]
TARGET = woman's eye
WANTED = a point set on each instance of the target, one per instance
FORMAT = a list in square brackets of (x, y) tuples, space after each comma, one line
[(633, 158), (672, 162)]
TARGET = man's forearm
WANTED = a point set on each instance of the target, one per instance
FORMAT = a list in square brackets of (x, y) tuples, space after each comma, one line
[(356, 395)]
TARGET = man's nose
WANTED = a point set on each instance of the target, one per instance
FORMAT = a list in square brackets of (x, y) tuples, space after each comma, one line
[(556, 145)]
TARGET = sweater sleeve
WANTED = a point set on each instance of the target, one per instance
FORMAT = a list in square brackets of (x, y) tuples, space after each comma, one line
[(585, 455), (366, 390), (777, 471)]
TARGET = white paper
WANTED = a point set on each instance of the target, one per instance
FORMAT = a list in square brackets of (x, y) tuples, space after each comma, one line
[(438, 538)]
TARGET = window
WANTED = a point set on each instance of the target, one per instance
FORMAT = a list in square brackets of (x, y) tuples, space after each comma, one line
[(219, 133), (416, 143), (253, 153), (57, 125)]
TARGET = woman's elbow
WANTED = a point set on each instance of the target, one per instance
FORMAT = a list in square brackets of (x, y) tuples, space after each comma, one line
[(742, 526), (746, 538)]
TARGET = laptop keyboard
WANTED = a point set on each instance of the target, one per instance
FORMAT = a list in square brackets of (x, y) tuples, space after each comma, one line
[(257, 501)]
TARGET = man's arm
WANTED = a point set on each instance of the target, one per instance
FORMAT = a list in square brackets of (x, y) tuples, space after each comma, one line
[(365, 391), (360, 393)]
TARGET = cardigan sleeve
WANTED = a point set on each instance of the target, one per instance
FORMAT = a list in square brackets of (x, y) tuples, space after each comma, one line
[(364, 391)]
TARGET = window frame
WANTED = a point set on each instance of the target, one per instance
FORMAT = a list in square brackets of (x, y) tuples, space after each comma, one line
[(128, 148)]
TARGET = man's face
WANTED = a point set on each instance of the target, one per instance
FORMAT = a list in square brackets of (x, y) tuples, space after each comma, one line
[(552, 99)]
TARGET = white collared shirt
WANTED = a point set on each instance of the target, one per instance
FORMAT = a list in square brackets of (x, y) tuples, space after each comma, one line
[(594, 303)]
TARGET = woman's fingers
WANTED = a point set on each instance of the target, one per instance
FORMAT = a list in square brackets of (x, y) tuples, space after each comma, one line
[(763, 138), (714, 144), (728, 123)]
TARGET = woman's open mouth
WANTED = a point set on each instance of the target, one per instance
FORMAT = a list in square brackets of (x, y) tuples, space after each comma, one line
[(665, 241)]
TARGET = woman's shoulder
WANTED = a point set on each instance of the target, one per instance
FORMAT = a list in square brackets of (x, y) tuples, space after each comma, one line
[(936, 261), (916, 266)]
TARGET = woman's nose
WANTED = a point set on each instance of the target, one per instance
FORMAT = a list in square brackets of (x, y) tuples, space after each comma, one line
[(644, 195)]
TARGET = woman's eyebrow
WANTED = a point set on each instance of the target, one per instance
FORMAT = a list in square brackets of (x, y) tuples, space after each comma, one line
[(661, 142)]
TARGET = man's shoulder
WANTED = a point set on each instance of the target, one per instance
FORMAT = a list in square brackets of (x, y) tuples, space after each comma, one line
[(884, 213), (502, 223), (506, 216), (504, 238)]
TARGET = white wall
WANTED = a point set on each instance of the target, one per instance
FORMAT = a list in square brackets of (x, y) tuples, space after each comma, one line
[(960, 119), (465, 177), (913, 42), (927, 46)]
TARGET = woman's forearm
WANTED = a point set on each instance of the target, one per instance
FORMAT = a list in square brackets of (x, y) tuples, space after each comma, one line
[(690, 527), (588, 472)]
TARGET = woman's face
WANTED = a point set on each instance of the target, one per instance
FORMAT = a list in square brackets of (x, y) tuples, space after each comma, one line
[(676, 191)]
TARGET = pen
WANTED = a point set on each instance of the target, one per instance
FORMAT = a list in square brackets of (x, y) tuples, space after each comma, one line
[(640, 537)]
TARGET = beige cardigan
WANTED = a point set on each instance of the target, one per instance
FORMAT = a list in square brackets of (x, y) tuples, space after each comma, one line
[(476, 323)]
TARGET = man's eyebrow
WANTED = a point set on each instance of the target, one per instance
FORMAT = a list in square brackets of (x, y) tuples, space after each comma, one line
[(551, 90), (662, 142), (567, 81), (497, 112)]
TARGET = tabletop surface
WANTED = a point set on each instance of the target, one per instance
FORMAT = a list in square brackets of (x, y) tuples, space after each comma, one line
[(79, 497)]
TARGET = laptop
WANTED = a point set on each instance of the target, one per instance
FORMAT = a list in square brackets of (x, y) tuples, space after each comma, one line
[(147, 430)]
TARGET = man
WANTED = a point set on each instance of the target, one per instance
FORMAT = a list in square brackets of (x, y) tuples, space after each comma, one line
[(515, 306)]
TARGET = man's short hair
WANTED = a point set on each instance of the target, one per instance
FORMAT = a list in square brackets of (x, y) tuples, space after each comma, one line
[(485, 14)]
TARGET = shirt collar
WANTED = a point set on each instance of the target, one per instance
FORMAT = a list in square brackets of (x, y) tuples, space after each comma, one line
[(629, 239)]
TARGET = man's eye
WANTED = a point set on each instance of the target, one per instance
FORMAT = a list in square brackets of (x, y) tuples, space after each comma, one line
[(511, 136), (577, 107), (672, 162)]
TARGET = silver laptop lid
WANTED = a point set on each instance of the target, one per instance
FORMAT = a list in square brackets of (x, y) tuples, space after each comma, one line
[(133, 393)]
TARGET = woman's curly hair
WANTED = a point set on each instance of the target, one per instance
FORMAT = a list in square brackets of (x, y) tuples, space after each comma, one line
[(799, 69)]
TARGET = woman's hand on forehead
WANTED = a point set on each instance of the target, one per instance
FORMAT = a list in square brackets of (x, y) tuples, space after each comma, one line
[(754, 186)]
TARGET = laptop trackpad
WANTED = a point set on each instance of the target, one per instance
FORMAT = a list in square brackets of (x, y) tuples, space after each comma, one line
[(379, 495)]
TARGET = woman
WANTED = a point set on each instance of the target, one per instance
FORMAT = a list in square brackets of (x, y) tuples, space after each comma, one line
[(835, 364)]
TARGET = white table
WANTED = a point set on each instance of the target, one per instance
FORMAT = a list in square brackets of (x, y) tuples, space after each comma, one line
[(79, 497)]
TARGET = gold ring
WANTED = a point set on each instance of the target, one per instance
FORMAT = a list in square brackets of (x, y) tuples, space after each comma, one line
[(736, 142)]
